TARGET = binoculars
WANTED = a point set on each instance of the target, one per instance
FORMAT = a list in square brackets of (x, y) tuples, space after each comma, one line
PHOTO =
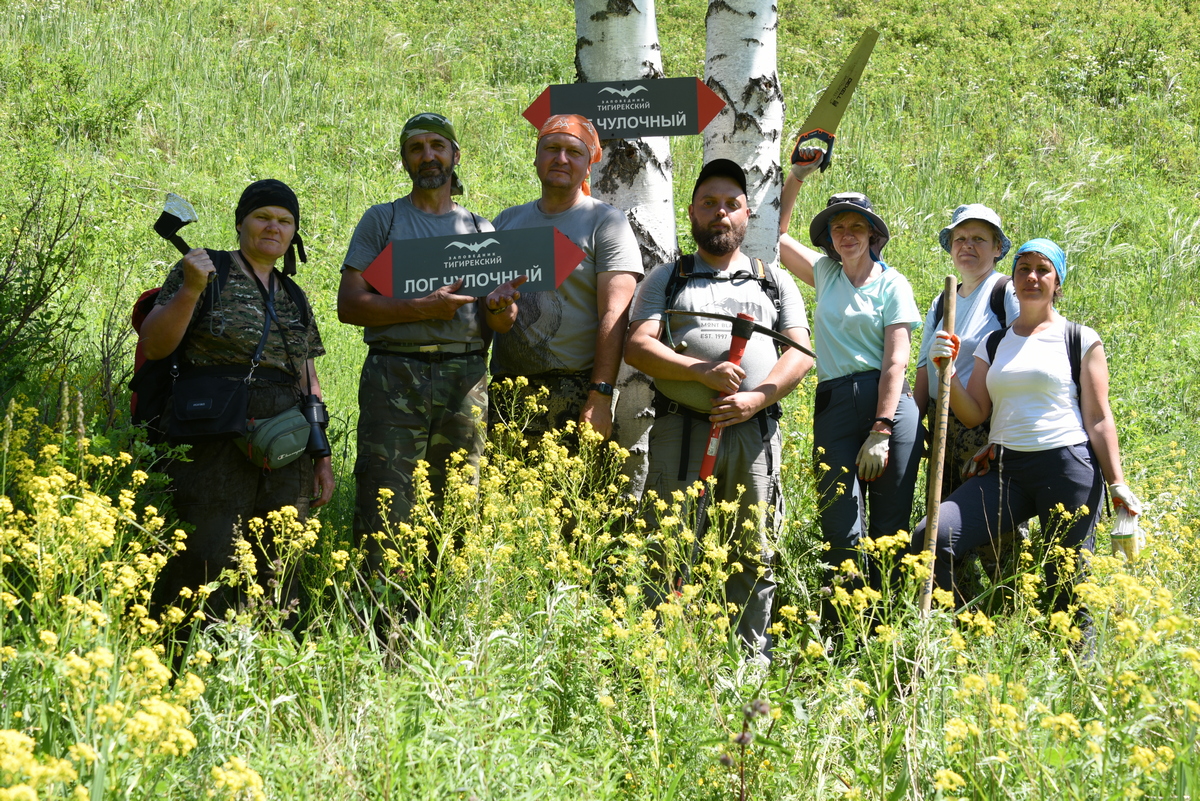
[(318, 418)]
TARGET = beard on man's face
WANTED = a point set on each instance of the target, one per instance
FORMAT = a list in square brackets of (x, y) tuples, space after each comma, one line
[(719, 242), (432, 180)]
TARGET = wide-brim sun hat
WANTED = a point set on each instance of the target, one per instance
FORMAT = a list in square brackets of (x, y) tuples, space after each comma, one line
[(818, 229), (975, 211)]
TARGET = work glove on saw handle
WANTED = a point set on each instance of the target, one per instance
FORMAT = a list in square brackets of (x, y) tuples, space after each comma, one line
[(981, 462), (808, 162), (873, 456), (944, 349)]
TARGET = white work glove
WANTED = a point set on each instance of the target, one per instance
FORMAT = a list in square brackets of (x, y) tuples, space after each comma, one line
[(810, 160), (1122, 495), (1127, 537), (873, 456), (944, 349)]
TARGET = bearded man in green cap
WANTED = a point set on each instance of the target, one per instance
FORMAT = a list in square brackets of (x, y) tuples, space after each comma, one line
[(423, 391)]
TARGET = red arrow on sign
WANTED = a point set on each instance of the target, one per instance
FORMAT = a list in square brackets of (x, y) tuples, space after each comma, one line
[(567, 256)]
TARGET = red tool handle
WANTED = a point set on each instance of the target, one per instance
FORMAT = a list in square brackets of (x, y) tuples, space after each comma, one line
[(737, 349)]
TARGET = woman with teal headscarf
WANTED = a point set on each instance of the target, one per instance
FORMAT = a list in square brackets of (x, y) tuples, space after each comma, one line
[(1044, 383)]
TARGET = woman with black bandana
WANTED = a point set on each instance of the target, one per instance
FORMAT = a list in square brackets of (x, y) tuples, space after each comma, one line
[(254, 312)]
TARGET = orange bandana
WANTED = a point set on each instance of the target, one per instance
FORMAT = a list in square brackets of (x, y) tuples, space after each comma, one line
[(577, 126)]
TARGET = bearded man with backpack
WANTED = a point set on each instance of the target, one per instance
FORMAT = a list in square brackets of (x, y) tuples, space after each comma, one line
[(696, 385)]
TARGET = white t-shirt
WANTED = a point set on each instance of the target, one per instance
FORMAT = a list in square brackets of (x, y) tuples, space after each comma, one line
[(973, 321), (1035, 403), (849, 321)]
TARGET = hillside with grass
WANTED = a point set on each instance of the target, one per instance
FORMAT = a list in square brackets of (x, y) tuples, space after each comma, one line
[(541, 674)]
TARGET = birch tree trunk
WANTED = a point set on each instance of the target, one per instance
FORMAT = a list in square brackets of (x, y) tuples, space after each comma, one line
[(740, 66), (617, 40)]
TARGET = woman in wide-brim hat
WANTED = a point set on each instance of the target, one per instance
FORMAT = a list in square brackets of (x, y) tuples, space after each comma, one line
[(217, 490), (976, 242), (1044, 383), (865, 421)]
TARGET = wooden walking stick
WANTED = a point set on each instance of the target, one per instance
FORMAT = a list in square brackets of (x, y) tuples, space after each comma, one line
[(937, 449)]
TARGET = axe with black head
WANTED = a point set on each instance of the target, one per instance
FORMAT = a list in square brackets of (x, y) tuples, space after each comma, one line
[(176, 213)]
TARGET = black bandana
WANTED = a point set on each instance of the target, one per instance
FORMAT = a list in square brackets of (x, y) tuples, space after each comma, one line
[(270, 192)]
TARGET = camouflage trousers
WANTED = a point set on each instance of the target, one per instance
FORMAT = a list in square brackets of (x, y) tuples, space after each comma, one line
[(961, 444), (411, 409), (568, 394)]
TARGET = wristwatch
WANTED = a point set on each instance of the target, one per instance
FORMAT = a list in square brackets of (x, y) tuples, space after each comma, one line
[(602, 388)]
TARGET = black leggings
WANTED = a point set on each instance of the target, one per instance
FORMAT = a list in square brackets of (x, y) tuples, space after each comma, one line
[(1018, 486)]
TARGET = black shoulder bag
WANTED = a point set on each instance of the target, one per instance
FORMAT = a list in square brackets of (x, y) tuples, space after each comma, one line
[(210, 403)]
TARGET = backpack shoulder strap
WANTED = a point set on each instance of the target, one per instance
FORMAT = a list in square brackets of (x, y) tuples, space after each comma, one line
[(681, 273), (767, 282), (299, 299), (224, 263), (997, 304), (993, 342), (1074, 337)]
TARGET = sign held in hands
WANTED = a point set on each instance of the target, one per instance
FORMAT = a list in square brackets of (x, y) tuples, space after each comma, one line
[(413, 268), (632, 109)]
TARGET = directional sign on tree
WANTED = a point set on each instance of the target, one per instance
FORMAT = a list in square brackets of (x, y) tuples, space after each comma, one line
[(632, 109), (412, 268)]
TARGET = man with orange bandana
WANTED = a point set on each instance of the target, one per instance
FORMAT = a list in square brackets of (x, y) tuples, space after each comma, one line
[(570, 340)]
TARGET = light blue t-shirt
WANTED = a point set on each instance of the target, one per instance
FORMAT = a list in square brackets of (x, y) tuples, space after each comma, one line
[(849, 321), (973, 321)]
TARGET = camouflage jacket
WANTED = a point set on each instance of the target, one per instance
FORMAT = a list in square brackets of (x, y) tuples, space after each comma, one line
[(229, 334)]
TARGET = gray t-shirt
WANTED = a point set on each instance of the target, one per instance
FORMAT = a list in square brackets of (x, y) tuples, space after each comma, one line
[(400, 219), (556, 331), (730, 292)]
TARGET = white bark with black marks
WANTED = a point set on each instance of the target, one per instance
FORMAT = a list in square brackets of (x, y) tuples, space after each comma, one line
[(740, 66), (617, 40)]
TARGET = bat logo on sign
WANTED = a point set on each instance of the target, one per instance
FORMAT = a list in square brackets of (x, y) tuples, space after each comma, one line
[(478, 246), (624, 92)]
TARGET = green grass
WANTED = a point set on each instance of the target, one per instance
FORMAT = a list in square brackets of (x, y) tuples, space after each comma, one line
[(1076, 121)]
